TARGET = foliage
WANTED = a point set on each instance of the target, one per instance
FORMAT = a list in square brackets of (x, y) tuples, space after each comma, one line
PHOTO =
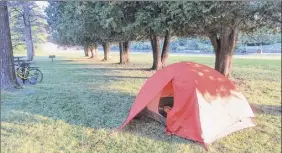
[(38, 24), (262, 36), (77, 22), (61, 20), (203, 18), (221, 22), (104, 21)]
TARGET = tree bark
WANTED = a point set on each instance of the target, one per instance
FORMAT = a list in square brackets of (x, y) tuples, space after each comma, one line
[(152, 42), (224, 47), (155, 42), (106, 47), (90, 49), (27, 27), (86, 49), (8, 76), (165, 51), (124, 52), (121, 53), (95, 50)]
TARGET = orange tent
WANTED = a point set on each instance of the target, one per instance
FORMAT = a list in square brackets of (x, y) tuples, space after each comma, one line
[(206, 105)]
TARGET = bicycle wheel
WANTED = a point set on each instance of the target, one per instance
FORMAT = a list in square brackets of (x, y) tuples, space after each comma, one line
[(37, 74)]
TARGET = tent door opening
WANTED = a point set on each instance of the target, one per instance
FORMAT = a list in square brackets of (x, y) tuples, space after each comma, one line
[(165, 105)]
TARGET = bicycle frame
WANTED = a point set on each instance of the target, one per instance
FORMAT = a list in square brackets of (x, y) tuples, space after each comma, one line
[(24, 72)]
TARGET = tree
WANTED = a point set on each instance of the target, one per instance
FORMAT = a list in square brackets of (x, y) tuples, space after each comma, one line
[(93, 50), (261, 36), (75, 23), (86, 52), (106, 46), (165, 50), (243, 40), (112, 22), (157, 63), (66, 24), (153, 21), (95, 31), (27, 26), (124, 52), (8, 76), (222, 21), (117, 18), (129, 21)]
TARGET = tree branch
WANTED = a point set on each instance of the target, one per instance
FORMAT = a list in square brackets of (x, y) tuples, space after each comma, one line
[(14, 9), (215, 41)]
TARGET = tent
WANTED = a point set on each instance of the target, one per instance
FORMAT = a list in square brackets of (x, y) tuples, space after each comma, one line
[(204, 104)]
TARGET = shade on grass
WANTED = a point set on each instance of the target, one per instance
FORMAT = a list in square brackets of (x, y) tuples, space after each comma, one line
[(81, 101)]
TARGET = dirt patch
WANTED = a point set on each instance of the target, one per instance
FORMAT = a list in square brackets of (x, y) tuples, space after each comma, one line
[(240, 83), (274, 110)]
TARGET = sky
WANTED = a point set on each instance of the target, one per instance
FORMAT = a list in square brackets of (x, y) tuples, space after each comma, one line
[(42, 4)]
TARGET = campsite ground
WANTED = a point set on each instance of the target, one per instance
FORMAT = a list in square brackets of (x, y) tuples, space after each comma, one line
[(81, 101)]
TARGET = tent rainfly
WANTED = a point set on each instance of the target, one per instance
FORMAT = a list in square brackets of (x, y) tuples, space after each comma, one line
[(194, 101)]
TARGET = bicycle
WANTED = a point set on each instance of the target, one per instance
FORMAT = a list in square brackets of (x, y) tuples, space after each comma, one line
[(28, 73)]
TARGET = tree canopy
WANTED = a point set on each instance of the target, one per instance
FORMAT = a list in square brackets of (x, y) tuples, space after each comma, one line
[(78, 23), (25, 15)]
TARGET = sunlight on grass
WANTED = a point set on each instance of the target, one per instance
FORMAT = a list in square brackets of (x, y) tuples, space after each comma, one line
[(81, 101)]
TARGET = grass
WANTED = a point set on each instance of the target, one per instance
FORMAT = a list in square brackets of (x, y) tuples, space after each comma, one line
[(81, 101)]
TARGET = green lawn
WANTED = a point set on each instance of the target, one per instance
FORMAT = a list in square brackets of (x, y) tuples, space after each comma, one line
[(81, 101)]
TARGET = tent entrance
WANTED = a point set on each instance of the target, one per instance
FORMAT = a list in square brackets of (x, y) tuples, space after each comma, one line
[(165, 105), (159, 114)]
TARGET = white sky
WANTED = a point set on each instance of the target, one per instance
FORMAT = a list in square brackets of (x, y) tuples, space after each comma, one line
[(42, 4)]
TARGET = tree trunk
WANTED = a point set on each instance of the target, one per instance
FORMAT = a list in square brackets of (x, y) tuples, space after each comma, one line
[(106, 47), (95, 50), (121, 53), (124, 52), (86, 49), (155, 42), (165, 51), (27, 27), (90, 48), (8, 76), (152, 42), (224, 47)]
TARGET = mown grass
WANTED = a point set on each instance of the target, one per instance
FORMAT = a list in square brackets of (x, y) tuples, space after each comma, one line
[(81, 101)]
